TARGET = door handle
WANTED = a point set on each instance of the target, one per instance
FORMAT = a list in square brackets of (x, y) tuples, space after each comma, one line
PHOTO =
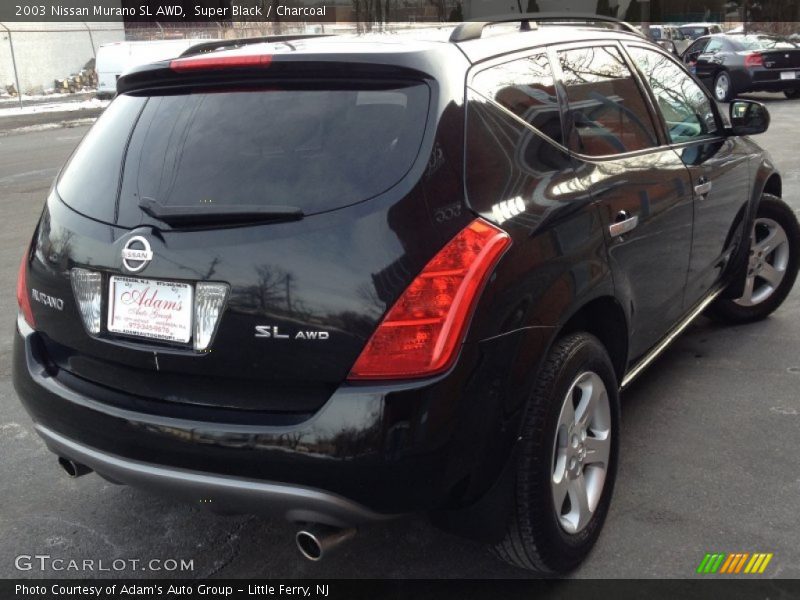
[(623, 224), (702, 188)]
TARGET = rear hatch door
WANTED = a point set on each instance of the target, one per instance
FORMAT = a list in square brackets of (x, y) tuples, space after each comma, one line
[(297, 198)]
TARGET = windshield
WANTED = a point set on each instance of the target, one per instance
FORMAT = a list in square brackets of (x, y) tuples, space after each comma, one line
[(311, 149), (763, 42)]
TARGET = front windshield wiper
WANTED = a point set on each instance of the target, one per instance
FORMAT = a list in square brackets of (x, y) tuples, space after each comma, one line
[(212, 214)]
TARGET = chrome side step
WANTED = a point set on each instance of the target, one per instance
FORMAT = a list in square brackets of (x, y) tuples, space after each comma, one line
[(668, 339)]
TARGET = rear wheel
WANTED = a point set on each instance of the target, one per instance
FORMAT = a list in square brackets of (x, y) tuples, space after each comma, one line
[(771, 268), (566, 471), (792, 94), (723, 89)]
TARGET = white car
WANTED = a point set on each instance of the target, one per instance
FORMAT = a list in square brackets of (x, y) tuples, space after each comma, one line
[(117, 57), (664, 34), (695, 30)]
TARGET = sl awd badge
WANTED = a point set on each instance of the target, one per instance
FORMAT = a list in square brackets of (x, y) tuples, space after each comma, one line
[(274, 333), (136, 254)]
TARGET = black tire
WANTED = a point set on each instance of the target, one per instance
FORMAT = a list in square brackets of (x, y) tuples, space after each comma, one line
[(726, 97), (731, 310), (534, 539), (792, 94)]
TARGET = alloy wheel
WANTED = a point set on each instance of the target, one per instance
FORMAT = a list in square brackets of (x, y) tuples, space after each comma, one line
[(581, 452), (722, 87), (769, 259)]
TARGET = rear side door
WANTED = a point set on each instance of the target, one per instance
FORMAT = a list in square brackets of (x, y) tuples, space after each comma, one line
[(717, 165), (693, 52), (709, 60), (639, 184)]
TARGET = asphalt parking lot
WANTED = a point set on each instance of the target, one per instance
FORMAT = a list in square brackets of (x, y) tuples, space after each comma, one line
[(709, 452)]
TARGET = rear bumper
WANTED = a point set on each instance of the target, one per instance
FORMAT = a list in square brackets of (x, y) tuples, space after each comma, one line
[(764, 80), (295, 503), (369, 453)]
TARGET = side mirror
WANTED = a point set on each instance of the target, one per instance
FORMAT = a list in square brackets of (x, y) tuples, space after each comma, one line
[(748, 117)]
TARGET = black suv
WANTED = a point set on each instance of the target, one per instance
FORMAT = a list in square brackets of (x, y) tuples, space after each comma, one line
[(350, 278)]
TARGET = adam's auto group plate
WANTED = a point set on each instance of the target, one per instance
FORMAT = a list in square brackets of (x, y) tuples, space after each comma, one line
[(149, 308)]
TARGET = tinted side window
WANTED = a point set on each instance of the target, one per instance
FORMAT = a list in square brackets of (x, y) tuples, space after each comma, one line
[(607, 113), (696, 48), (685, 107), (715, 45), (526, 87), (512, 164)]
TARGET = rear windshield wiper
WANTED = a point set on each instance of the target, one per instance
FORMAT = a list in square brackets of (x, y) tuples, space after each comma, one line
[(209, 213)]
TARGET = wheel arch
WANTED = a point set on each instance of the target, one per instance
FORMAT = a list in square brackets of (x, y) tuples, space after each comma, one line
[(773, 185), (766, 180), (484, 519), (604, 318)]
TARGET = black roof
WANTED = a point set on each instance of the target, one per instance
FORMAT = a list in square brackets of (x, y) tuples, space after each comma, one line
[(423, 50)]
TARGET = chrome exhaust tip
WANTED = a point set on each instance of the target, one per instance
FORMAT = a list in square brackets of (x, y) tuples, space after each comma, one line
[(73, 469), (317, 541)]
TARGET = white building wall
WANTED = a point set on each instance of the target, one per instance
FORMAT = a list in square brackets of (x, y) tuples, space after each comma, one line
[(48, 51)]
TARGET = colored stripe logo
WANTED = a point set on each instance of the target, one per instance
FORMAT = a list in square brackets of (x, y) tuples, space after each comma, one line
[(735, 563)]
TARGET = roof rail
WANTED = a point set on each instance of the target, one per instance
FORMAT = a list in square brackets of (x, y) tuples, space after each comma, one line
[(206, 47), (472, 30)]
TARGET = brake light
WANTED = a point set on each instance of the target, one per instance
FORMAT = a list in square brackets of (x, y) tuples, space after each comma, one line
[(421, 333), (23, 298), (754, 60), (204, 63)]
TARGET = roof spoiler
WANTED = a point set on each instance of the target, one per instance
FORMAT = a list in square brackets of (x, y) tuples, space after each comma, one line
[(473, 30), (206, 47), (230, 71)]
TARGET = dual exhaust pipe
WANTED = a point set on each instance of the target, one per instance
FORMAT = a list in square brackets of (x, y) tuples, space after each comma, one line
[(314, 541)]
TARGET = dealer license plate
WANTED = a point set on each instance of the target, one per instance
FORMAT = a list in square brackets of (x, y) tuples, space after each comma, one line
[(148, 308)]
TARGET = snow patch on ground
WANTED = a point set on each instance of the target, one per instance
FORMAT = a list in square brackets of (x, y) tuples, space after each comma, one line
[(47, 126), (9, 99), (16, 111)]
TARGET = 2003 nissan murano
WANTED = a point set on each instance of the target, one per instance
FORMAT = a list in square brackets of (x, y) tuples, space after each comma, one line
[(346, 278)]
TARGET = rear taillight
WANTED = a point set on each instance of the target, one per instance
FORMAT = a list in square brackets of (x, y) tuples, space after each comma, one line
[(23, 298), (753, 60), (87, 287), (204, 63), (421, 333)]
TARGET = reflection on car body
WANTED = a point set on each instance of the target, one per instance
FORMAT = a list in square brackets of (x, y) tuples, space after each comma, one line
[(403, 294)]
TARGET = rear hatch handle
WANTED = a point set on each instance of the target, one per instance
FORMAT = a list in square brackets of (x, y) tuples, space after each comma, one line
[(203, 214)]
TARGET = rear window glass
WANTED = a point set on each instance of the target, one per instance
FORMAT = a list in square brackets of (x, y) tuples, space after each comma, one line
[(314, 149), (758, 42), (90, 179)]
